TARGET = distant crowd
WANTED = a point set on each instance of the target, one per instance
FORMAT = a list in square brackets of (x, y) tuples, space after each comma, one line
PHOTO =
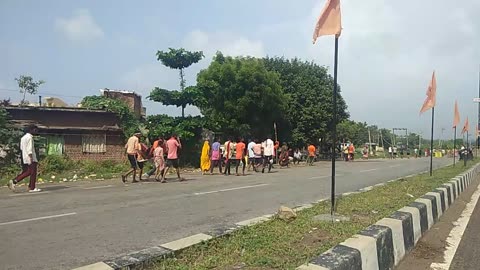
[(256, 155)]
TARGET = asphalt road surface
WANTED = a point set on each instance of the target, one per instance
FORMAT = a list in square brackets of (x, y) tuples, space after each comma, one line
[(75, 224), (468, 250)]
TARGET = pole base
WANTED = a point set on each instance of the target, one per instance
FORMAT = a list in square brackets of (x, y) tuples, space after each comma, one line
[(332, 218)]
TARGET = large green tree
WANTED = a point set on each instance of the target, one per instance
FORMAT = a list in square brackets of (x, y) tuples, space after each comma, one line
[(240, 97), (309, 89), (176, 59), (28, 85)]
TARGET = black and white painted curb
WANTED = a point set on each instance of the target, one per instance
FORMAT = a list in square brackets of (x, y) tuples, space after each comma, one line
[(384, 244), (143, 258)]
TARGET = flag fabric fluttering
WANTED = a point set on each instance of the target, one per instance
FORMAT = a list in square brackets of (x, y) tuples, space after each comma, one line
[(330, 20), (456, 116), (431, 95), (466, 127)]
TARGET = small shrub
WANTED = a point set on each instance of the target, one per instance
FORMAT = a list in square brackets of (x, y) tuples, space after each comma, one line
[(56, 164)]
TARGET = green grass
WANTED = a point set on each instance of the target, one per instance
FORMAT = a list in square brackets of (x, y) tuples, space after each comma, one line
[(277, 244), (58, 168)]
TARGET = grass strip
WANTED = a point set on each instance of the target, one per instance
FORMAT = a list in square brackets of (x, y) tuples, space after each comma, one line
[(277, 244)]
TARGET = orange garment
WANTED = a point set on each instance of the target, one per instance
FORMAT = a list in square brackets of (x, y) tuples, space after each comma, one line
[(311, 150), (351, 149), (154, 146), (240, 147)]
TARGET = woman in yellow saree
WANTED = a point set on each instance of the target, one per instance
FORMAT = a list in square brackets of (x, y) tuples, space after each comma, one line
[(205, 158)]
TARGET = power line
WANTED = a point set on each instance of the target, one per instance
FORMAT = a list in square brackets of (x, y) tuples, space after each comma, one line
[(40, 93)]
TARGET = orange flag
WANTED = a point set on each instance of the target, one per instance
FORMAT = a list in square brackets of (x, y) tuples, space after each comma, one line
[(431, 95), (466, 127), (456, 116), (330, 20)]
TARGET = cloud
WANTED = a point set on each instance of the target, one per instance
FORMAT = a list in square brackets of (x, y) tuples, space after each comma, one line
[(81, 27), (228, 43)]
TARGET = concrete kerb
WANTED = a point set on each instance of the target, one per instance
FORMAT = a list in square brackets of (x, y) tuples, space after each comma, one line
[(143, 258), (400, 231)]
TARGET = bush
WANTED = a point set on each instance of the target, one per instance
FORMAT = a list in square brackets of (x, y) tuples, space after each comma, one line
[(102, 167), (56, 164)]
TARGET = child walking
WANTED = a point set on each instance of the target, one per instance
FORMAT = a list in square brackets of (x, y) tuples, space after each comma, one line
[(159, 162)]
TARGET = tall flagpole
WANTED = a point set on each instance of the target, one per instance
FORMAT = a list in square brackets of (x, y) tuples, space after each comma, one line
[(334, 131), (477, 136), (454, 143), (431, 143)]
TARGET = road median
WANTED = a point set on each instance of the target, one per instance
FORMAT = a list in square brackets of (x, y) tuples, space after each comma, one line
[(271, 243)]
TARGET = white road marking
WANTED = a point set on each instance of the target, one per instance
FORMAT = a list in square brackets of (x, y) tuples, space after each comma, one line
[(29, 193), (107, 186), (38, 218), (319, 177), (323, 176), (370, 170), (229, 189), (394, 166), (456, 233)]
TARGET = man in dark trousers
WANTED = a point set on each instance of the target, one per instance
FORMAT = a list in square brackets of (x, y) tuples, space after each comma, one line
[(29, 161)]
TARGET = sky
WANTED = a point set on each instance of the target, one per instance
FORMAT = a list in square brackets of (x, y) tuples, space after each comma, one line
[(387, 50)]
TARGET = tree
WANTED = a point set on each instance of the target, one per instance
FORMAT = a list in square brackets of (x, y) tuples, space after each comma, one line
[(240, 97), (189, 129), (9, 146), (176, 59), (28, 85), (308, 89), (128, 122)]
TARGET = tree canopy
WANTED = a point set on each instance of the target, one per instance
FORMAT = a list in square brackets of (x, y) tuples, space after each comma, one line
[(240, 97), (129, 123), (308, 89), (176, 59)]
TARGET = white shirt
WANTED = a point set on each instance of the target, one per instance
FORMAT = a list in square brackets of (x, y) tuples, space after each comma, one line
[(389, 149), (297, 155), (268, 151), (27, 148), (250, 146)]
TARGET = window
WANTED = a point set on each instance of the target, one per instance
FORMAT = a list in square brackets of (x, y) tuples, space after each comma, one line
[(94, 143), (54, 145)]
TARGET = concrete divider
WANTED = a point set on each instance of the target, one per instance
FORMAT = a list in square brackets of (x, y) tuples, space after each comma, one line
[(382, 245)]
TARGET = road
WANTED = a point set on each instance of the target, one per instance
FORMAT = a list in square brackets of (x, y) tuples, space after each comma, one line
[(466, 256), (71, 225)]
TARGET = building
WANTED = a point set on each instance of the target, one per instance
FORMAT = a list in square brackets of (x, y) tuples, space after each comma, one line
[(74, 132), (132, 99)]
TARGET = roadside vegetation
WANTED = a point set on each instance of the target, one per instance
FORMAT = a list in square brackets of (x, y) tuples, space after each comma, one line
[(277, 244)]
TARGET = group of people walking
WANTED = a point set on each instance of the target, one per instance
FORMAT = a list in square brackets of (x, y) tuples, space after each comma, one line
[(256, 154), (260, 156), (164, 155)]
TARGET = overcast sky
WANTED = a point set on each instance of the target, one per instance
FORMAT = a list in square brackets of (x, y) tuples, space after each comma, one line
[(388, 49)]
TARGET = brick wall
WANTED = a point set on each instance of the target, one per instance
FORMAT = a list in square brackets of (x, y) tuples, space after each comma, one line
[(114, 152)]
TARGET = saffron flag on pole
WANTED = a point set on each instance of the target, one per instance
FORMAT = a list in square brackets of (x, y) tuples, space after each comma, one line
[(456, 116), (466, 127), (431, 95), (330, 20)]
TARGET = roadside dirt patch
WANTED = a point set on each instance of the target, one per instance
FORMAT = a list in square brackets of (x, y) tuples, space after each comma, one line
[(313, 238), (425, 251)]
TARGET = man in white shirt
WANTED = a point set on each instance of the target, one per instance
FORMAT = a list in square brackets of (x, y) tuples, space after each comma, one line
[(251, 155), (29, 161), (268, 154)]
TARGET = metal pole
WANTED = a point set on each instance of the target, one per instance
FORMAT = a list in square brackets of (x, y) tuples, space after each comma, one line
[(478, 122), (334, 132), (454, 143), (431, 143)]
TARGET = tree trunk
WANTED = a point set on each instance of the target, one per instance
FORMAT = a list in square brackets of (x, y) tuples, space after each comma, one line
[(183, 111), (23, 100)]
